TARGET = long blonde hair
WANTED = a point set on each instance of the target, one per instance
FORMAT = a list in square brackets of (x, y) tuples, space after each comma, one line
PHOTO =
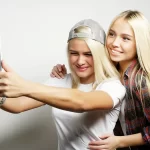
[(103, 67), (141, 28)]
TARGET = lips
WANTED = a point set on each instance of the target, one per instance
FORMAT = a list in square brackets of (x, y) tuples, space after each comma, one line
[(115, 52), (81, 68)]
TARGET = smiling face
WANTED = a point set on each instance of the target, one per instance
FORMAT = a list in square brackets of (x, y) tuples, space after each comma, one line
[(81, 60), (121, 42)]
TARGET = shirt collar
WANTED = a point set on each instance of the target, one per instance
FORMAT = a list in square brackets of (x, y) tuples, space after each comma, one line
[(130, 67)]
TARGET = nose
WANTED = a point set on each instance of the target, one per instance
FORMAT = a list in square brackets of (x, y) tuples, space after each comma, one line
[(81, 60), (116, 42)]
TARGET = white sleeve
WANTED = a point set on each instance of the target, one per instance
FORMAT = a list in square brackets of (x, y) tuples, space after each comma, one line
[(114, 88)]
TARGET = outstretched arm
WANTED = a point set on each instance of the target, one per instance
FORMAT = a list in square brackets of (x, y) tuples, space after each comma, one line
[(68, 99), (13, 85)]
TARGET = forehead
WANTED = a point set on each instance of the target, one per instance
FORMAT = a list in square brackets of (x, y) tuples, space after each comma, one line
[(78, 45), (122, 26)]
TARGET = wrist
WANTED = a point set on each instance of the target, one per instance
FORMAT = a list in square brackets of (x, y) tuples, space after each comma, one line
[(26, 88), (118, 142), (123, 141), (30, 88)]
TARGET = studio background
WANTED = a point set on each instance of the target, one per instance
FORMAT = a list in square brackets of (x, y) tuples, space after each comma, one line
[(33, 38)]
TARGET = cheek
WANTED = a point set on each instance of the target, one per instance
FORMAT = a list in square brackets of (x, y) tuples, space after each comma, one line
[(90, 61), (134, 54), (107, 47), (131, 50), (72, 59), (134, 50), (108, 42)]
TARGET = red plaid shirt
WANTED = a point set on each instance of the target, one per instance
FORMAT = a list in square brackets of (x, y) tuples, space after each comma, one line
[(137, 117)]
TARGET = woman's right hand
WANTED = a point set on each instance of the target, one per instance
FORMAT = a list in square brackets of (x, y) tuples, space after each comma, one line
[(106, 142), (11, 84), (59, 71)]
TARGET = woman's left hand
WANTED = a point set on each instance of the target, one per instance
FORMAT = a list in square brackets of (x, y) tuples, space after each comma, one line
[(11, 84), (106, 142)]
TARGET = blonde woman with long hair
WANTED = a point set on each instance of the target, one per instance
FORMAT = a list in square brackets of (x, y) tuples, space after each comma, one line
[(128, 45), (85, 103)]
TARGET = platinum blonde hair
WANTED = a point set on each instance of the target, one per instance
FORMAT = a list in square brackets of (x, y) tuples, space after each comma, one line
[(103, 67), (141, 29)]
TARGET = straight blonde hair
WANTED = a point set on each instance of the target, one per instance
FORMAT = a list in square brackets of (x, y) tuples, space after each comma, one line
[(141, 29)]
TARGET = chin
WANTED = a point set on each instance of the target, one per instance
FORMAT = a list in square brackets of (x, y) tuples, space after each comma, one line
[(81, 75), (114, 59)]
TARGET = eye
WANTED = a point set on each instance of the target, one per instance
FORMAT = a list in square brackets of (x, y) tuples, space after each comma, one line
[(74, 53), (111, 34), (126, 39), (88, 54)]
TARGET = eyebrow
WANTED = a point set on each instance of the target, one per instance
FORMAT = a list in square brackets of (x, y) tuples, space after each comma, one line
[(76, 51), (72, 50), (87, 53), (122, 33)]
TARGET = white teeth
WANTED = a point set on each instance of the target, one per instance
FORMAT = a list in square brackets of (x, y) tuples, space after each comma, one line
[(116, 52)]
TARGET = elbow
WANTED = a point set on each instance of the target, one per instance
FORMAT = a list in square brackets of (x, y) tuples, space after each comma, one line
[(19, 110), (15, 112)]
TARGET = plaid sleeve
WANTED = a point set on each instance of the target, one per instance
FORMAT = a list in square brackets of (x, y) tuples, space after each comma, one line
[(146, 101), (146, 129)]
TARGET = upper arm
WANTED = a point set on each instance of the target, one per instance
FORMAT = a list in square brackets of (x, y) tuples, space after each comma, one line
[(106, 96), (97, 100), (114, 89)]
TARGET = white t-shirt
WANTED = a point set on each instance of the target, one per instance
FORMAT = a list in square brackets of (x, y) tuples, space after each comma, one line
[(76, 130)]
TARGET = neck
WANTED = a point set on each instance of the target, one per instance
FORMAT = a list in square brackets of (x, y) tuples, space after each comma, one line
[(86, 81)]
